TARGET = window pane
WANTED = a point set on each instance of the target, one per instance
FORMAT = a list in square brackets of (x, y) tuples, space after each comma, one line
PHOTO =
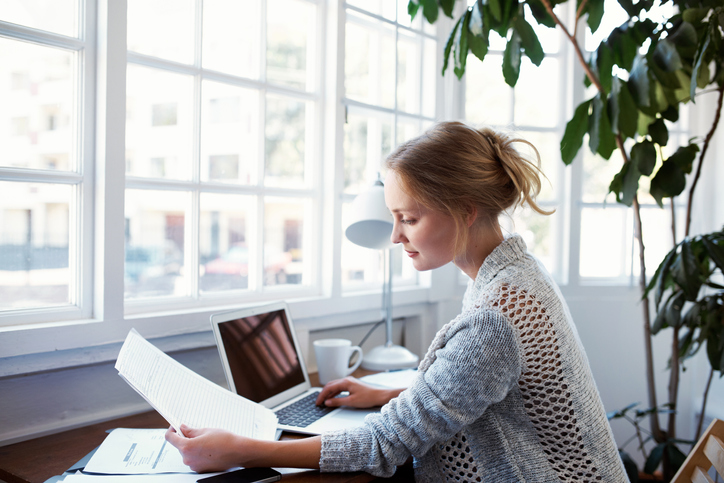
[(58, 16), (286, 125), (409, 70), (359, 264), (538, 231), (408, 128), (155, 222), (369, 61), (34, 245), (229, 133), (598, 174), (162, 28), (532, 108), (429, 78), (383, 8), (159, 123), (290, 30), (284, 246), (231, 37), (38, 99), (605, 242), (548, 146), (488, 99), (367, 142), (224, 243)]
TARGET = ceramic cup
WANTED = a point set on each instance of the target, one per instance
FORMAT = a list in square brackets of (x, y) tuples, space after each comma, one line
[(333, 357)]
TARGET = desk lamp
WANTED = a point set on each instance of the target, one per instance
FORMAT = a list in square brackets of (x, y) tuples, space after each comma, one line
[(371, 227)]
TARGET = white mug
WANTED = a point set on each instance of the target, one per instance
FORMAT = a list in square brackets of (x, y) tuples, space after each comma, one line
[(333, 358)]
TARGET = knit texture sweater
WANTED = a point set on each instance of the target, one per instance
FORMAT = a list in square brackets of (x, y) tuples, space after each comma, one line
[(504, 393)]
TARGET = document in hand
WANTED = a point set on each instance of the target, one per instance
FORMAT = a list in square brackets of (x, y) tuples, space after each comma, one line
[(183, 397)]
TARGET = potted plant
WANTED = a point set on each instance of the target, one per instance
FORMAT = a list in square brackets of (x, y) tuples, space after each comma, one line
[(643, 73)]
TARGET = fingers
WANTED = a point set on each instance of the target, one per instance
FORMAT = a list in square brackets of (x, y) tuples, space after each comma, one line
[(332, 389)]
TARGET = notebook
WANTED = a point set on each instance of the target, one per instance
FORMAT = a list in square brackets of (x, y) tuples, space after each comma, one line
[(262, 362)]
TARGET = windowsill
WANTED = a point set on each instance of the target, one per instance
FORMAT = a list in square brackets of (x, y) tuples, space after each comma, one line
[(50, 346)]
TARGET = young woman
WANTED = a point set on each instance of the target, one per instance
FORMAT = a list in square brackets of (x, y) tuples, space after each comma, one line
[(505, 393)]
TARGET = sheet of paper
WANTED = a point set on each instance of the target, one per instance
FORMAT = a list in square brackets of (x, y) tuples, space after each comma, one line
[(167, 478), (183, 397), (136, 451), (392, 379)]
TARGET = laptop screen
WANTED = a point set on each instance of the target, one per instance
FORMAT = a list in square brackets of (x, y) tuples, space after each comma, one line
[(261, 354)]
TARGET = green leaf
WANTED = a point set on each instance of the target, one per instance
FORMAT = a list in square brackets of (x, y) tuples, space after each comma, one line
[(671, 113), (602, 59), (494, 6), (449, 44), (666, 56), (661, 276), (694, 15), (529, 40), (429, 10), (643, 157), (715, 252), (625, 184), (684, 157), (624, 115), (575, 130), (673, 309), (687, 276), (698, 60), (595, 13), (601, 139), (685, 39), (511, 59), (640, 82), (460, 48), (659, 133), (447, 7), (660, 320), (412, 8), (540, 14), (668, 182)]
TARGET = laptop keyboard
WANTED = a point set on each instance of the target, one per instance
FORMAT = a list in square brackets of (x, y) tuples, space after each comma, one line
[(303, 412)]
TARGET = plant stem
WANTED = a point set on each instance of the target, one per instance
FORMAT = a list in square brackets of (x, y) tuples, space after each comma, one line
[(703, 404), (589, 73), (673, 382), (704, 149), (673, 221), (638, 229)]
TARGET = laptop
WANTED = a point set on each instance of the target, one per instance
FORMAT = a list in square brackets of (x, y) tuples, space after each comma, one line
[(262, 362)]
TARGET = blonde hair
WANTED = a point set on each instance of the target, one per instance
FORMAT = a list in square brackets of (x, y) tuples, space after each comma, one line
[(453, 167)]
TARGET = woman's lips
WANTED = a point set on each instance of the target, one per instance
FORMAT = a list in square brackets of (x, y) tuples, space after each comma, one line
[(411, 254)]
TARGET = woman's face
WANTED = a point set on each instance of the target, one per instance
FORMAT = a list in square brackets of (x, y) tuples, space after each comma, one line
[(427, 236)]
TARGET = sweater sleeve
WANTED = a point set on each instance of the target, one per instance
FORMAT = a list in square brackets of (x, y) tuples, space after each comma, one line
[(476, 366)]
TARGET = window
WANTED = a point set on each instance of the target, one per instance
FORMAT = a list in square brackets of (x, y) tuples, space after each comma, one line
[(204, 181), (48, 59), (390, 97), (524, 113), (221, 156)]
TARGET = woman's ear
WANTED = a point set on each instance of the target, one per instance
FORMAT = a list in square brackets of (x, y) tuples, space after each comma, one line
[(472, 215)]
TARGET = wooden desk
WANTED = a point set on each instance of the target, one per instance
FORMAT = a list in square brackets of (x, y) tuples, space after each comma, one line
[(37, 460)]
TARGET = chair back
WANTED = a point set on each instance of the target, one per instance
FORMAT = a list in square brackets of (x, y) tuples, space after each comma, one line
[(708, 452)]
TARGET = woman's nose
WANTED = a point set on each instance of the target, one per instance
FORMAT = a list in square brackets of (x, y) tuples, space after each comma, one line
[(396, 235)]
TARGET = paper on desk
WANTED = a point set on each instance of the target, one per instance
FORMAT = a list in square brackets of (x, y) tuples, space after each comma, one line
[(175, 478), (136, 451), (392, 379), (183, 397)]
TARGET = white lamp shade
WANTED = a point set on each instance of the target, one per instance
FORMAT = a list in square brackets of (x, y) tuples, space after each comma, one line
[(370, 221)]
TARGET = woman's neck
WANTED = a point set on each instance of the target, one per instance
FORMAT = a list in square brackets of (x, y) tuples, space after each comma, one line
[(483, 238)]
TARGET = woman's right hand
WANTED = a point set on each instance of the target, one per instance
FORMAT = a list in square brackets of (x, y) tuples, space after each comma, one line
[(360, 395)]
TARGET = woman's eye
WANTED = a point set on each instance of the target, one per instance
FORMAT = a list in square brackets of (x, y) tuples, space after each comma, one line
[(407, 222)]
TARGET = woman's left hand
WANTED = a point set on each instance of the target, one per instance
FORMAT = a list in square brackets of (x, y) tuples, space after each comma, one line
[(205, 450)]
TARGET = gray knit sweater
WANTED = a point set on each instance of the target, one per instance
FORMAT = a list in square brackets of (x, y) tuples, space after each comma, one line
[(504, 394)]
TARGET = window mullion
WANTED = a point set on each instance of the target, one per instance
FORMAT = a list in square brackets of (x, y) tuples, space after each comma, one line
[(110, 160)]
